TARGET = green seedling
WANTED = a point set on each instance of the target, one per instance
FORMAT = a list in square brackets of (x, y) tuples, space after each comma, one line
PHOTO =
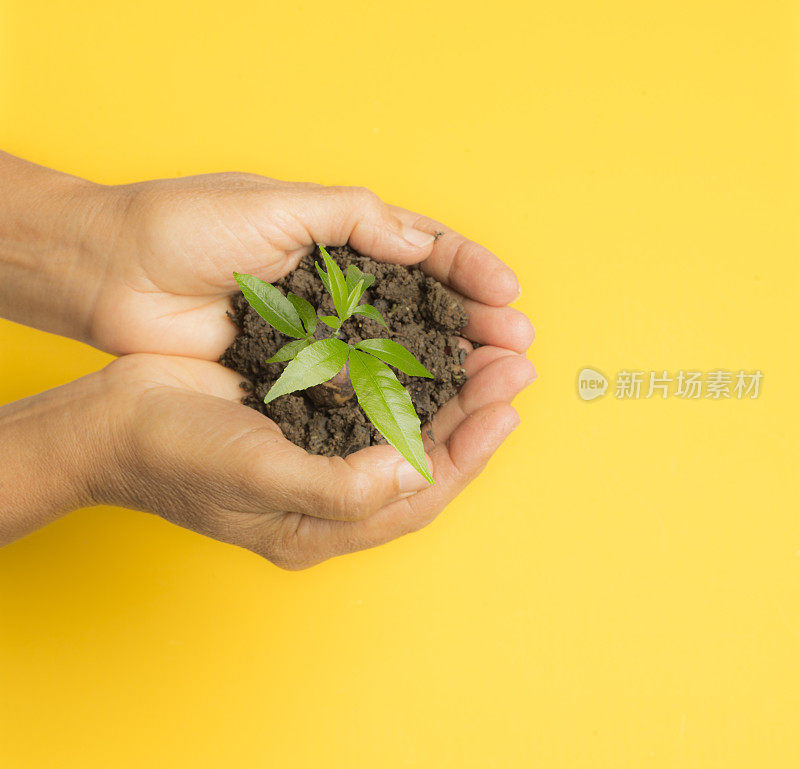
[(380, 394)]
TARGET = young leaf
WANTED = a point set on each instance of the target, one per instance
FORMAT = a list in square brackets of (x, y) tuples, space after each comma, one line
[(395, 355), (354, 298), (388, 405), (270, 304), (288, 351), (368, 279), (306, 312), (353, 275), (323, 276), (338, 285), (368, 311), (332, 321), (313, 365)]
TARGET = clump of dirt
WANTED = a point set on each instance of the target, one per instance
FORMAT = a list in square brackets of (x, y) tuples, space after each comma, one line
[(422, 316)]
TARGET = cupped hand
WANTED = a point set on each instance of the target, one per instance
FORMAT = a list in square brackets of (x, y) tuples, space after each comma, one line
[(146, 270), (170, 248), (186, 449)]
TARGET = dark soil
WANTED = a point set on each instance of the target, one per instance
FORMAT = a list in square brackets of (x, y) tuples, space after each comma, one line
[(422, 315)]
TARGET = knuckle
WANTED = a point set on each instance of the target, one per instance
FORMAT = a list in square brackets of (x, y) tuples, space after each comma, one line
[(354, 499), (341, 492), (366, 197), (459, 264)]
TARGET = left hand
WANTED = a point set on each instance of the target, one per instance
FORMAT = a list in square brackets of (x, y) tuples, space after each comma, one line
[(168, 435)]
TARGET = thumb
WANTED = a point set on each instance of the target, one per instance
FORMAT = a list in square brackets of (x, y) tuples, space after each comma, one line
[(335, 488), (338, 215)]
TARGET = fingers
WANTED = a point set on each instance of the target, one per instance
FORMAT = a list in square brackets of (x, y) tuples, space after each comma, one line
[(500, 379), (284, 476), (202, 376), (335, 488), (466, 266), (483, 356), (356, 214), (468, 430), (454, 465), (498, 326), (199, 328), (210, 378), (338, 215)]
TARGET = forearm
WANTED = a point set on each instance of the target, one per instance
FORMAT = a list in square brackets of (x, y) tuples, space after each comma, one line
[(55, 451), (51, 265)]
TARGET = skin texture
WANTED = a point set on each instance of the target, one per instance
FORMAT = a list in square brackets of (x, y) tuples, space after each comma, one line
[(145, 271)]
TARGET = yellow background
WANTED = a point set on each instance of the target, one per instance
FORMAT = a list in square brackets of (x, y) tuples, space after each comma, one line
[(620, 588)]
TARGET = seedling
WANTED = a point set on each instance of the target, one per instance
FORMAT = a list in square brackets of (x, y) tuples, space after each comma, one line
[(380, 394)]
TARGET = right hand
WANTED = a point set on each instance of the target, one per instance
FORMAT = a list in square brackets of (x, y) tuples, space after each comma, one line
[(167, 274), (148, 267)]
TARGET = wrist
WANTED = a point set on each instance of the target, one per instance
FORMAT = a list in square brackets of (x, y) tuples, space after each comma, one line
[(54, 231), (56, 449)]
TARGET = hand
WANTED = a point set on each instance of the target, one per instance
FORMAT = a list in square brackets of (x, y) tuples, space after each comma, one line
[(148, 268), (129, 435), (169, 265)]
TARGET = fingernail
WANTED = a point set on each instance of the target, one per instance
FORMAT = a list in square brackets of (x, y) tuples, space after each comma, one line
[(417, 238), (408, 479)]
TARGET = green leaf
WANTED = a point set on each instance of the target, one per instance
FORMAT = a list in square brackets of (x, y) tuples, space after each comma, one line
[(306, 312), (313, 365), (354, 298), (338, 285), (323, 276), (388, 405), (332, 321), (288, 351), (270, 304), (368, 311), (368, 279), (395, 355), (353, 275)]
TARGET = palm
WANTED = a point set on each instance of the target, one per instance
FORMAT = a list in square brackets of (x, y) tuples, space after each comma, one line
[(235, 489), (180, 404), (173, 281)]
